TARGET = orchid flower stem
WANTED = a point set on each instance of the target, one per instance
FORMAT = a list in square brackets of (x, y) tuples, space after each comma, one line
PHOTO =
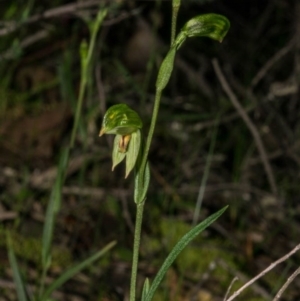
[(140, 206), (136, 248), (175, 9), (151, 130)]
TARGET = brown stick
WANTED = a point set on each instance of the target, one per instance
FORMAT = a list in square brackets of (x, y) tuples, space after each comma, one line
[(286, 284), (271, 62), (268, 269), (54, 12)]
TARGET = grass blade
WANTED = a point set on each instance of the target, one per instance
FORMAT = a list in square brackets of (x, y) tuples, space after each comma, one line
[(21, 293), (183, 242), (52, 209), (75, 269), (205, 174), (145, 289)]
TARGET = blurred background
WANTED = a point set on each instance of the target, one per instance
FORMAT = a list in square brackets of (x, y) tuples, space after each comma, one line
[(205, 153)]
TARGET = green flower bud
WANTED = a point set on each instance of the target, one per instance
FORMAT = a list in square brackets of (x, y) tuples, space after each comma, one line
[(213, 26), (209, 25)]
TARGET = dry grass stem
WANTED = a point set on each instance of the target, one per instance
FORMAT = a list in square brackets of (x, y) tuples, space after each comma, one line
[(230, 287), (51, 13), (264, 272), (286, 284), (250, 125), (270, 63)]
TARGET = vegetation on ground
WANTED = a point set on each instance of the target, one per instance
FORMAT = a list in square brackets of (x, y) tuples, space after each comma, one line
[(227, 134)]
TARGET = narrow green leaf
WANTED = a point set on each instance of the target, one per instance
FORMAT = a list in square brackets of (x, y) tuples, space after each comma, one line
[(141, 184), (146, 180), (20, 287), (133, 151), (145, 289), (183, 242), (86, 59), (138, 186), (75, 269), (83, 50), (117, 156), (166, 69), (95, 24), (53, 208)]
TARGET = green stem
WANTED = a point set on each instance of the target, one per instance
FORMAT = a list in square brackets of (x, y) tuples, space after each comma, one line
[(175, 9), (82, 89), (85, 72), (151, 130), (42, 283), (140, 206), (136, 247)]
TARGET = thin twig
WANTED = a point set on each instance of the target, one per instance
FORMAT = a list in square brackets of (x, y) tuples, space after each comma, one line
[(72, 8), (46, 178), (10, 53), (264, 272), (102, 98), (8, 215), (289, 151), (194, 76), (168, 188), (286, 284), (122, 16), (100, 89), (126, 213), (230, 287), (256, 287), (250, 125), (269, 64), (51, 13)]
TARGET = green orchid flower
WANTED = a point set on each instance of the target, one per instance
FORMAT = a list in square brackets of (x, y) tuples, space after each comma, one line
[(126, 124)]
